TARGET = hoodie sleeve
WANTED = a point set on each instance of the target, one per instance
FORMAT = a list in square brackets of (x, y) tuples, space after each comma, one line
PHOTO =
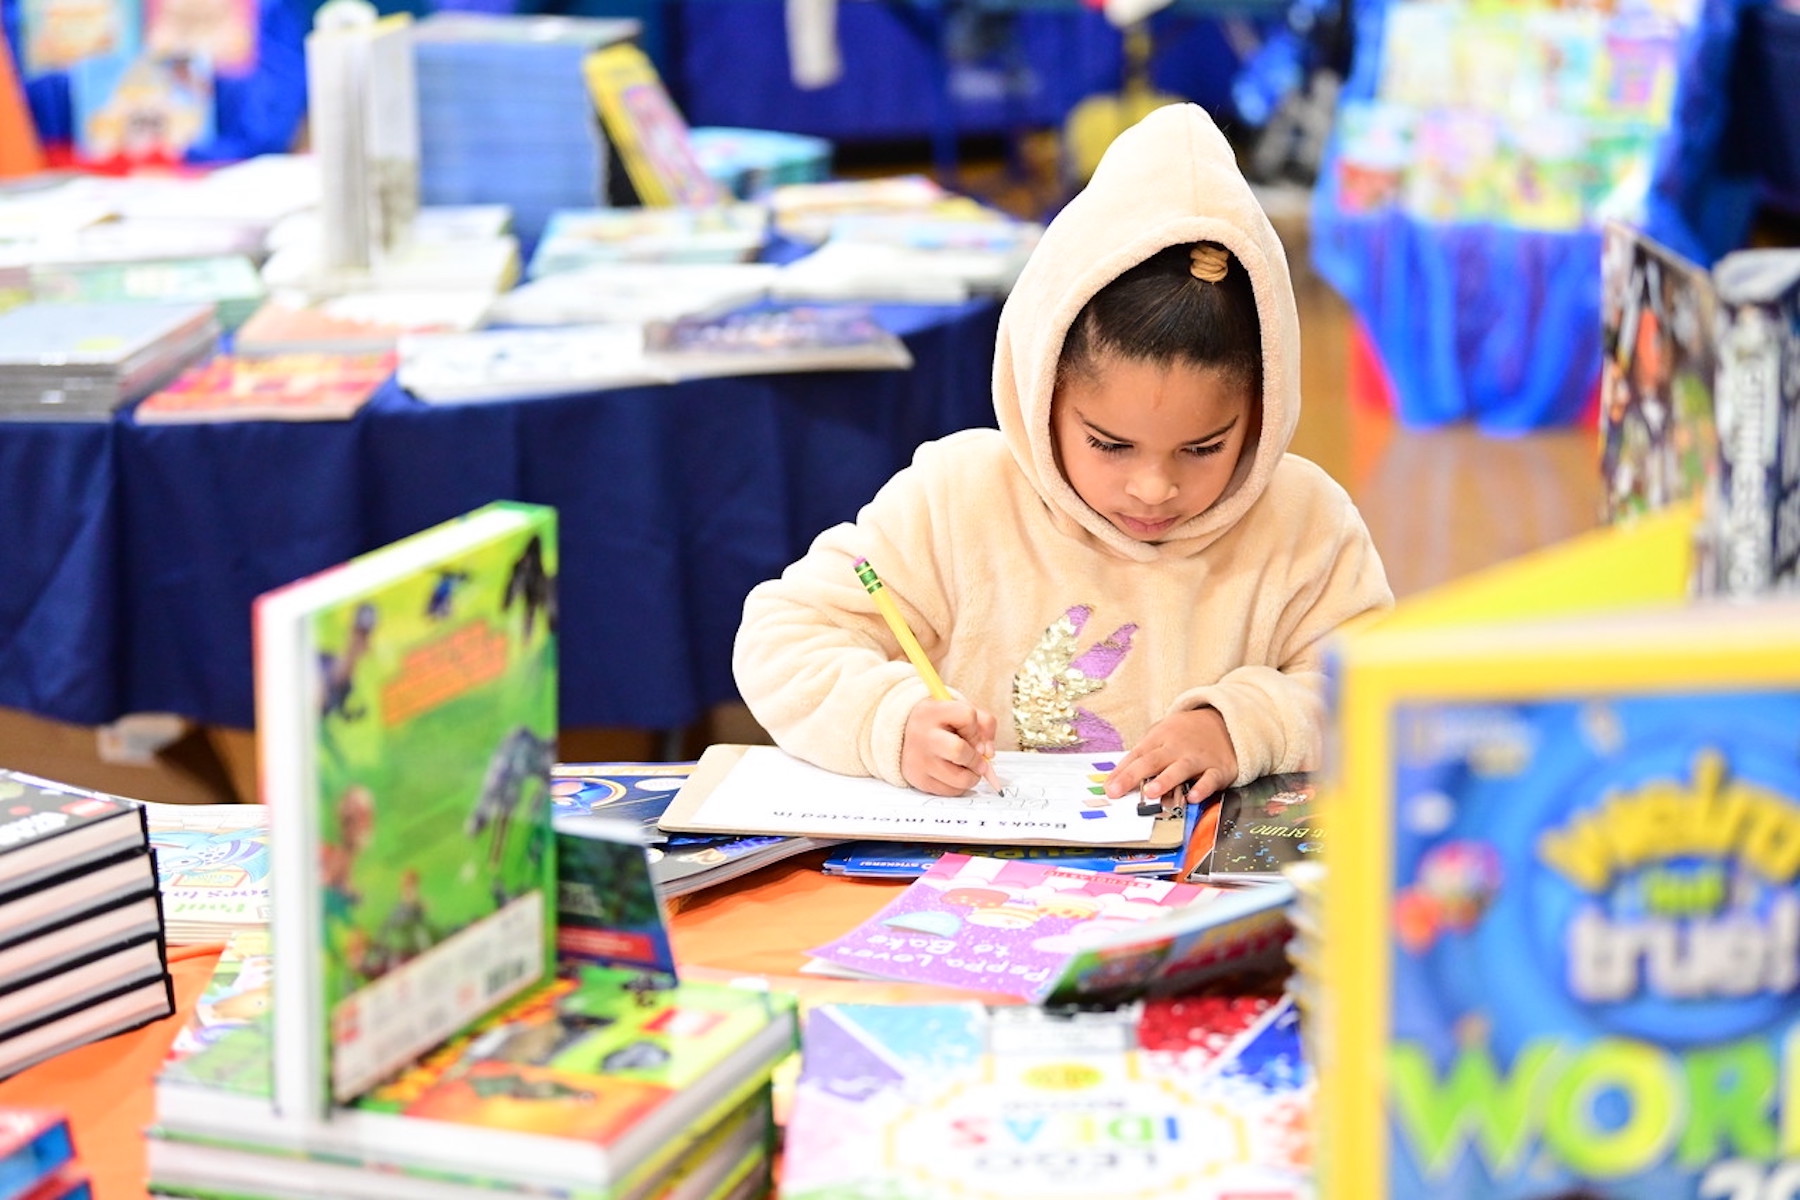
[(816, 663), (1276, 714)]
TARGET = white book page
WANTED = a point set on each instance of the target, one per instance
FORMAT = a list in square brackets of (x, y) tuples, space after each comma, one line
[(1056, 796)]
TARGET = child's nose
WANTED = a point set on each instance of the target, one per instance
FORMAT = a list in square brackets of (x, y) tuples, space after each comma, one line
[(1151, 485)]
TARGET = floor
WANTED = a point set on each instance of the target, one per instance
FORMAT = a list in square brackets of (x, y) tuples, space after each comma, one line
[(1438, 503)]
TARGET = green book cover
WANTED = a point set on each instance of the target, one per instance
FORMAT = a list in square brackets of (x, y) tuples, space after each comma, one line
[(597, 1054), (406, 706)]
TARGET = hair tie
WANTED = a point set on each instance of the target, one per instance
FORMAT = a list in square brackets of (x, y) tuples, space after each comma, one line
[(1209, 262)]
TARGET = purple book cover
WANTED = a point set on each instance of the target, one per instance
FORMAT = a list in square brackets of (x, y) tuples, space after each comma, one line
[(1000, 925)]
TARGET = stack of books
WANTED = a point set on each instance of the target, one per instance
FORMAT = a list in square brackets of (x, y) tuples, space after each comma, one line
[(941, 254), (583, 237), (212, 866), (361, 323), (774, 340), (279, 387), (504, 113), (230, 283), (403, 1030), (508, 364), (37, 1157), (484, 265), (81, 361), (81, 934), (603, 1082), (583, 794), (634, 292)]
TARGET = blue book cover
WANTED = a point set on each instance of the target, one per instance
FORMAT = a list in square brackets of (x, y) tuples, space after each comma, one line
[(34, 1144), (906, 860), (622, 791), (1595, 947)]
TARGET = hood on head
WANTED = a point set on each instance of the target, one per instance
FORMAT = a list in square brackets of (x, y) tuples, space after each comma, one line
[(1168, 180)]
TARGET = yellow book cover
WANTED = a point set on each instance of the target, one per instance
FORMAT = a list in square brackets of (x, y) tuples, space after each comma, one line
[(1560, 948), (647, 130)]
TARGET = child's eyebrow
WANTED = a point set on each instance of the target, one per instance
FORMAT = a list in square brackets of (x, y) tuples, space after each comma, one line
[(1220, 432), (1111, 437)]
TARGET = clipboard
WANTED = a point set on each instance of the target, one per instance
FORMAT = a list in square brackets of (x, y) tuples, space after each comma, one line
[(812, 810)]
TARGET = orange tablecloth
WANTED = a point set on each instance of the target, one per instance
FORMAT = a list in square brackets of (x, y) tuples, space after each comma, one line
[(759, 925), (105, 1087)]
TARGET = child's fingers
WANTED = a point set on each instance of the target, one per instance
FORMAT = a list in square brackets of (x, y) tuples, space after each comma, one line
[(1206, 783), (1132, 770), (1167, 780), (985, 727), (956, 762)]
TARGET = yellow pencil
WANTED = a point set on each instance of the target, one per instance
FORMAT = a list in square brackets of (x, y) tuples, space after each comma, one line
[(890, 612)]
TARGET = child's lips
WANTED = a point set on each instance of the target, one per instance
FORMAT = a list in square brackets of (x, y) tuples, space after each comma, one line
[(1139, 525)]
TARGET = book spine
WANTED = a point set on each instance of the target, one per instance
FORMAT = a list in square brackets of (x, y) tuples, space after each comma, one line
[(1747, 396), (1785, 478)]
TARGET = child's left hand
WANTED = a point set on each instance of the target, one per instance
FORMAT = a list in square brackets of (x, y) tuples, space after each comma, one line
[(1192, 744)]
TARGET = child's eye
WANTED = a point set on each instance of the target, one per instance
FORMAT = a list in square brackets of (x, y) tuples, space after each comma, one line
[(1208, 449), (1107, 447)]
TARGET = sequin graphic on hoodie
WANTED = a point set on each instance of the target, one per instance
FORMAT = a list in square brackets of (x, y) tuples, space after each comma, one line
[(1056, 676)]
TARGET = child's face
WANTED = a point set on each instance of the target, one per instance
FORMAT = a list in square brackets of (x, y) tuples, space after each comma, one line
[(1148, 445)]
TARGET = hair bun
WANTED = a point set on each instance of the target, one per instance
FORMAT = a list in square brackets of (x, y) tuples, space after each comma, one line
[(1209, 262)]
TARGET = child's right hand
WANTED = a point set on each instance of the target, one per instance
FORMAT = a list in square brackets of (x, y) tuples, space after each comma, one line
[(946, 746)]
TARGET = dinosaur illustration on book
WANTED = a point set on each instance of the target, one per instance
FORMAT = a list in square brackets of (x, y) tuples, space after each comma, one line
[(337, 670), (532, 587), (516, 783)]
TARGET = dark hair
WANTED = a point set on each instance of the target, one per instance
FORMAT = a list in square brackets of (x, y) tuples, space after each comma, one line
[(1159, 312)]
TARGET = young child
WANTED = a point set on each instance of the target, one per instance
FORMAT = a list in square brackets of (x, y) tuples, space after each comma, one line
[(1132, 560)]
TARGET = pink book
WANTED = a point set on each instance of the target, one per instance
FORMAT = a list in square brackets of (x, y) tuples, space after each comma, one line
[(1047, 933)]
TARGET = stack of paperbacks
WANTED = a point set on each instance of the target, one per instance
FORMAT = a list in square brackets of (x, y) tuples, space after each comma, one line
[(80, 362), (229, 282), (574, 238), (412, 1038), (212, 865), (279, 387), (604, 1082), (1202, 1097), (53, 221), (505, 114), (81, 935), (680, 863), (903, 239), (37, 1157)]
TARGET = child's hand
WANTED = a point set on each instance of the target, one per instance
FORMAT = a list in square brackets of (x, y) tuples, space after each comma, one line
[(1192, 744), (946, 746)]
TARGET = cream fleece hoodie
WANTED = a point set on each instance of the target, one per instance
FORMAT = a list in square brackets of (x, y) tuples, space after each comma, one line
[(1033, 606)]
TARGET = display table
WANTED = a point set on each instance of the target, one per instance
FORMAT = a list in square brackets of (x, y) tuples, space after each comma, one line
[(130, 555), (760, 925)]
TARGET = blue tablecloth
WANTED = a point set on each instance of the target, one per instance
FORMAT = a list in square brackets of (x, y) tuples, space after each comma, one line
[(1501, 326), (129, 555)]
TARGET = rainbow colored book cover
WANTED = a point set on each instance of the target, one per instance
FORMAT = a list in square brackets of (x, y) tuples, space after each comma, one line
[(1206, 1097)]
